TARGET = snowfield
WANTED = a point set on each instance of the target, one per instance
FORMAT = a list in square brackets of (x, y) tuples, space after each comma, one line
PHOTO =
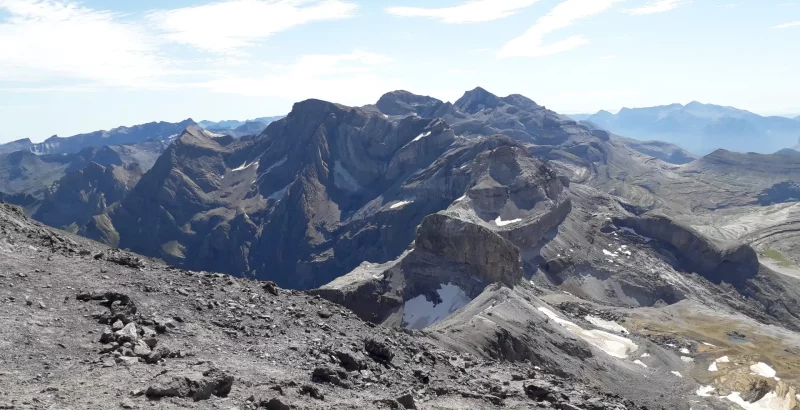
[(613, 345), (419, 312)]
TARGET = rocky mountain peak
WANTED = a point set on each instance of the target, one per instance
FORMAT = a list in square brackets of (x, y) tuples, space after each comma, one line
[(402, 102), (476, 100)]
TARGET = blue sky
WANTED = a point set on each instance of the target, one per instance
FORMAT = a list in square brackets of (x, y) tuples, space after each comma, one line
[(77, 66)]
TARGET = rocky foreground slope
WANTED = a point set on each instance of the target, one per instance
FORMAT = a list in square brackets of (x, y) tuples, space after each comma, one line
[(89, 327)]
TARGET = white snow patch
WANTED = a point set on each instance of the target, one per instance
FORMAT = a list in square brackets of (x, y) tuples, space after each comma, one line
[(685, 350), (461, 198), (639, 362), (705, 391), (277, 164), (723, 359), (713, 367), (421, 136), (687, 359), (501, 222), (343, 179), (709, 344), (631, 231), (677, 374), (279, 194), (244, 166), (762, 369), (606, 324), (400, 204), (419, 313), (613, 345), (609, 253), (770, 401), (645, 354)]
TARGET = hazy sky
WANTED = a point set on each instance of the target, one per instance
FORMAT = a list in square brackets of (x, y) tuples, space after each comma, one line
[(77, 66)]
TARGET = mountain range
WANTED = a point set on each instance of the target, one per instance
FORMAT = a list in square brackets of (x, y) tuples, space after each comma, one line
[(504, 256), (701, 128), (238, 128)]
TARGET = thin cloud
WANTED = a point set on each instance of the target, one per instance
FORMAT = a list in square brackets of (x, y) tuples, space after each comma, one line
[(531, 43), (348, 78), (609, 57), (474, 11), (658, 6), (47, 39), (233, 25), (788, 25)]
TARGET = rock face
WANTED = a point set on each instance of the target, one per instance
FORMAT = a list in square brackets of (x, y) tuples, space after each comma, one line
[(87, 192), (718, 262), (496, 259)]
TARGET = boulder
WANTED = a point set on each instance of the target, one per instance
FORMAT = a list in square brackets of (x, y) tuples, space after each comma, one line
[(189, 384)]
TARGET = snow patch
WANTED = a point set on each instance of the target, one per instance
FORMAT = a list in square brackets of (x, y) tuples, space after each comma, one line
[(705, 391), (343, 179), (609, 253), (645, 354), (639, 362), (685, 350), (419, 313), (611, 344), (500, 222), (708, 344), (713, 367), (244, 166), (400, 204), (279, 194), (763, 370), (421, 136), (461, 198), (606, 324), (677, 374), (723, 359), (687, 359), (770, 401)]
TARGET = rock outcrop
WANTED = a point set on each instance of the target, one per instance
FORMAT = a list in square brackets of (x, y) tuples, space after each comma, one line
[(716, 261)]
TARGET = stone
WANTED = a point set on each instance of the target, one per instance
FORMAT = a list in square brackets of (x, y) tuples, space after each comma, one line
[(312, 391), (107, 336), (271, 287), (274, 404), (328, 375), (407, 401), (190, 384), (118, 325), (378, 350), (128, 333), (141, 349), (350, 360)]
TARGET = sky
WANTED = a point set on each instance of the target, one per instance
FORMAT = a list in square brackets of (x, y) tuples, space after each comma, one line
[(70, 66)]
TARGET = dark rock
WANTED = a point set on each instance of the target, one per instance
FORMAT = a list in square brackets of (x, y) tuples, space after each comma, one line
[(312, 391), (407, 401), (328, 375), (271, 287), (274, 404), (194, 385), (378, 350), (349, 360)]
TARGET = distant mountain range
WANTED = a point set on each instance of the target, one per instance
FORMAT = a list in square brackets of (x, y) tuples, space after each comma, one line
[(238, 128), (155, 131), (701, 128)]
